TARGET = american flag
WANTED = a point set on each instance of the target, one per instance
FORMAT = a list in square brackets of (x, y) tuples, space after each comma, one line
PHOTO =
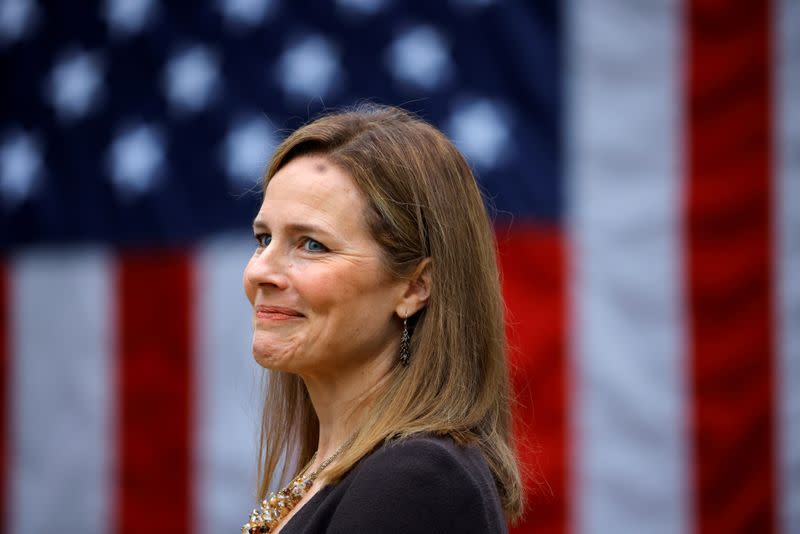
[(642, 163)]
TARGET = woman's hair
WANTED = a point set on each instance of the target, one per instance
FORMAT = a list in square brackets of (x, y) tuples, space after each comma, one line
[(423, 202)]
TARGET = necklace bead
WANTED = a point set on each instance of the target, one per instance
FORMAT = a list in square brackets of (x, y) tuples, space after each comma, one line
[(278, 505)]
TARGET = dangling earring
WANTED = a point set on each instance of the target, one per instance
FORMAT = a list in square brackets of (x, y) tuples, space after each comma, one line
[(405, 344)]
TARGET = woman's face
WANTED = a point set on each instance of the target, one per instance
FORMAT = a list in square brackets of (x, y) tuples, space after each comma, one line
[(322, 300)]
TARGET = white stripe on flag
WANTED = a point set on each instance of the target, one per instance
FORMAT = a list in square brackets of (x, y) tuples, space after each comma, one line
[(624, 208), (62, 397), (228, 395), (787, 225)]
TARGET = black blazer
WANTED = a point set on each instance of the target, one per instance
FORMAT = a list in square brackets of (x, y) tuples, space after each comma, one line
[(418, 485)]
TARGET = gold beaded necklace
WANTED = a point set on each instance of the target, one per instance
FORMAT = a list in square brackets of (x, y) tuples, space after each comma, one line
[(278, 505)]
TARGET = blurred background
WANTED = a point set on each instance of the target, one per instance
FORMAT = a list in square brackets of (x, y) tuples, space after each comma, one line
[(641, 160)]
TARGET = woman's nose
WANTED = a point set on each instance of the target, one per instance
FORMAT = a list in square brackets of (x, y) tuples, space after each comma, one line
[(267, 267)]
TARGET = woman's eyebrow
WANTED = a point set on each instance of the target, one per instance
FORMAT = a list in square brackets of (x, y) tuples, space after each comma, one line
[(298, 228)]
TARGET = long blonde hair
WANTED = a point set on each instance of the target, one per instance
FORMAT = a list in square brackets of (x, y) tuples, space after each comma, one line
[(423, 202)]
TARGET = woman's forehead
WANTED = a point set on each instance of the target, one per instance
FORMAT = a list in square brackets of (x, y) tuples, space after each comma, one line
[(310, 187)]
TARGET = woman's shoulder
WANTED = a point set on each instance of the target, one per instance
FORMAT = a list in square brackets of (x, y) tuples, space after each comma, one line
[(428, 453), (422, 483)]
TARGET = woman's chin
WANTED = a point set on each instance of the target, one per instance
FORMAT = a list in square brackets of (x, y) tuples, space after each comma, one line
[(274, 364), (268, 359), (269, 356)]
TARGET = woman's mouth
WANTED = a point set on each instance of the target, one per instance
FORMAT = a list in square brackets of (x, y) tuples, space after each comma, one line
[(277, 313)]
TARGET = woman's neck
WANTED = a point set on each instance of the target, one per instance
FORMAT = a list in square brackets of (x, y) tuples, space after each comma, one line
[(340, 402)]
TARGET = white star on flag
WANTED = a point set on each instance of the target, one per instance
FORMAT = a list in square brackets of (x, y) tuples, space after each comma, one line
[(420, 57), (191, 78), (17, 19), (135, 159), (75, 85), (309, 68), (481, 130), (244, 14), (20, 166), (129, 17), (246, 150)]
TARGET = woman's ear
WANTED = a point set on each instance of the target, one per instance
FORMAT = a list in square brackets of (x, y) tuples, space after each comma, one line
[(417, 290)]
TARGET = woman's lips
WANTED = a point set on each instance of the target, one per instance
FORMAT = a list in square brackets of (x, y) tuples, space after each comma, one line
[(277, 313)]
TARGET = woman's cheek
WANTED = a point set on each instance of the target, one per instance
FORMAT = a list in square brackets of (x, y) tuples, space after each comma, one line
[(318, 286)]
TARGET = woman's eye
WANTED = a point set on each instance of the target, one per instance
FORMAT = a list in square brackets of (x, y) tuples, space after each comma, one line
[(313, 245), (263, 240)]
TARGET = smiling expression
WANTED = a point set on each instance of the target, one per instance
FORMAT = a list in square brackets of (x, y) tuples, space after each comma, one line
[(322, 298)]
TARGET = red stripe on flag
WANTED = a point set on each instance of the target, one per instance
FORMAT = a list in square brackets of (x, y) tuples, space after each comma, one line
[(729, 271), (533, 265), (5, 390), (154, 343)]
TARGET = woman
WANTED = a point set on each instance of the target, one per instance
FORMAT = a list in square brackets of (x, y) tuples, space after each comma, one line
[(377, 311)]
